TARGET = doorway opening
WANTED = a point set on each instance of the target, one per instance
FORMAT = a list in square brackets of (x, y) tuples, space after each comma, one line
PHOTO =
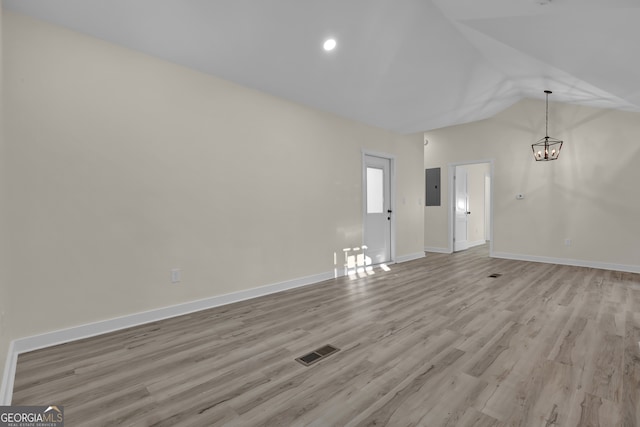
[(471, 205)]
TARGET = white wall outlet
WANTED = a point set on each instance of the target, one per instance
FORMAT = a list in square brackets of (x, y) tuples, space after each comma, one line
[(567, 242), (176, 275)]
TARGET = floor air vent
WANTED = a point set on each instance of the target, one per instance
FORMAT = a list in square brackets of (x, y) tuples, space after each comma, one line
[(314, 356), (494, 275)]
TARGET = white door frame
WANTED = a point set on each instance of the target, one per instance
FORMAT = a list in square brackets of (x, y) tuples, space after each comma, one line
[(392, 191), (487, 206), (451, 208), (461, 174)]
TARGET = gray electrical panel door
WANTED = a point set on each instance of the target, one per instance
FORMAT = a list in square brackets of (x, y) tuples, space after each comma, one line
[(433, 186)]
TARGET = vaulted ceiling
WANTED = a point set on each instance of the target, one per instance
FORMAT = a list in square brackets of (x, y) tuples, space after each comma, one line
[(403, 65)]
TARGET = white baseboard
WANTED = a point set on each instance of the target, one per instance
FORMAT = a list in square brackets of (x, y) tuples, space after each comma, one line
[(438, 250), (567, 261), (476, 243), (23, 345), (410, 257)]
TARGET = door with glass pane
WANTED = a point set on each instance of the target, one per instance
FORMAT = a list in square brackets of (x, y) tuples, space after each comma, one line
[(377, 205)]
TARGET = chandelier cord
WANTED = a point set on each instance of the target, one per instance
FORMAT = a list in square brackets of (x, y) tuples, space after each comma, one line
[(546, 122)]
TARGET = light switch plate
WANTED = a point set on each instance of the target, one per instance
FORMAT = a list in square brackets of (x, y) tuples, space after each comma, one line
[(176, 275)]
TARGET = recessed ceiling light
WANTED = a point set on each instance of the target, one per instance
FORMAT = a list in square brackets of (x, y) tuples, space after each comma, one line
[(329, 44)]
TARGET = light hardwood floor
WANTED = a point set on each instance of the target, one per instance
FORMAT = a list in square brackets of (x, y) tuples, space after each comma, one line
[(433, 342)]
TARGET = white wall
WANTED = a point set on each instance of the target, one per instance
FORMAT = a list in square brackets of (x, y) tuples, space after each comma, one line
[(123, 166), (5, 335), (589, 195)]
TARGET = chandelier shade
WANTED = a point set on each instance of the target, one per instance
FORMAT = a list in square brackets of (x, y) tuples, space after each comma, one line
[(546, 148)]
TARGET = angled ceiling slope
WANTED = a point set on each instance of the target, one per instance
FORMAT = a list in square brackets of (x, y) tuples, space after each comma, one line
[(406, 65)]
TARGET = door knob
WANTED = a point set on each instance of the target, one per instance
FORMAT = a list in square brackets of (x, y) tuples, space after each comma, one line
[(468, 213)]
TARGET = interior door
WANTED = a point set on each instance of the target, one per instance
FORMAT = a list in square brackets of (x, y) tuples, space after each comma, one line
[(460, 235), (377, 205)]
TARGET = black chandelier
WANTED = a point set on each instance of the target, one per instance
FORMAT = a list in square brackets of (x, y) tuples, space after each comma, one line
[(547, 148)]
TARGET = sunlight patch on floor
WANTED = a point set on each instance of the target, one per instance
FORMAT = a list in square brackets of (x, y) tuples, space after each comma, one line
[(356, 264)]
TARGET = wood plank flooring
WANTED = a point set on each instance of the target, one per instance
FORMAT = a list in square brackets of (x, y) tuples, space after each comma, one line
[(433, 342)]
